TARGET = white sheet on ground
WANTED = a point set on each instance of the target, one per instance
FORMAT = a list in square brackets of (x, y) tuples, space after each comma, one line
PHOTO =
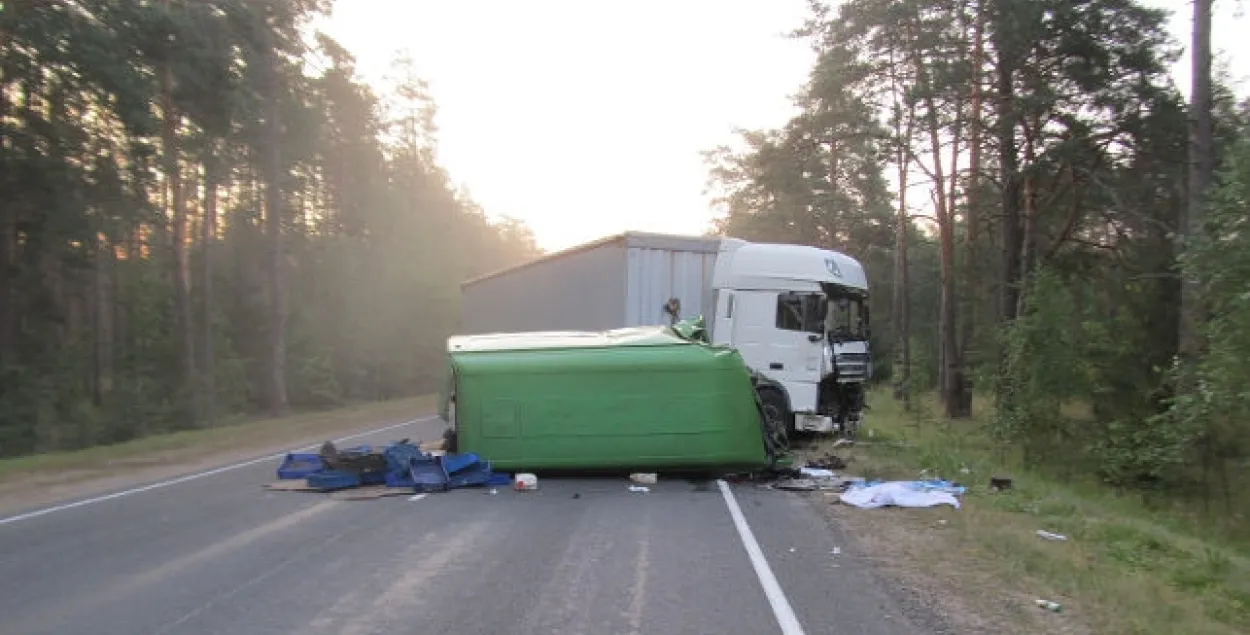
[(899, 494)]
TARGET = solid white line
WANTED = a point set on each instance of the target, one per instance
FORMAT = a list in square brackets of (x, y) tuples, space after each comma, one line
[(785, 616), (192, 477), (417, 497)]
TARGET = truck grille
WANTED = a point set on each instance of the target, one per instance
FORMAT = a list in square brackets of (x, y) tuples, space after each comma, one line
[(851, 367)]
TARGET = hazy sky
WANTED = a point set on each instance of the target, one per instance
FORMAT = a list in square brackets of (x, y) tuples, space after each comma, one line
[(587, 117)]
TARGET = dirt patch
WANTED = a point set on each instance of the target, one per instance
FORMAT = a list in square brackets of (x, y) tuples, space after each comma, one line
[(100, 470)]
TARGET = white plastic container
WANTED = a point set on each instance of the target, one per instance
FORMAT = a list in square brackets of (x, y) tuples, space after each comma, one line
[(524, 482)]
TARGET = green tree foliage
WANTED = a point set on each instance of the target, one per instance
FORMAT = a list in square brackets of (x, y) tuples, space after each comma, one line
[(194, 198), (1064, 218)]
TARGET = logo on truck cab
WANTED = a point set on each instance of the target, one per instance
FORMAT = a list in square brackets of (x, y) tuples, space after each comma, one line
[(832, 266)]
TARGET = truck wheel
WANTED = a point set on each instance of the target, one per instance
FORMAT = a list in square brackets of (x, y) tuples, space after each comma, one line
[(777, 417), (449, 441)]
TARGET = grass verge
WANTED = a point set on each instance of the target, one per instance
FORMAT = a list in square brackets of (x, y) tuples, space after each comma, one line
[(212, 444), (1124, 568)]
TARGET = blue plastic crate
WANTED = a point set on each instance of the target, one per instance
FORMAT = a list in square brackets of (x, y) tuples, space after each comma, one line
[(299, 465), (454, 463), (428, 474), (477, 474)]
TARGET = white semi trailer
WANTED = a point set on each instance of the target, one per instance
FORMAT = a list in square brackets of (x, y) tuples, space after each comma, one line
[(797, 314)]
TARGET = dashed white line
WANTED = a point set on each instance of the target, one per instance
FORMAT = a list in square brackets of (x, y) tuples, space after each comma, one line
[(782, 611), (192, 477)]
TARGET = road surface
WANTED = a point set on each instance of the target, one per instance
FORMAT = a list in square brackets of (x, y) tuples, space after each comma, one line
[(216, 553)]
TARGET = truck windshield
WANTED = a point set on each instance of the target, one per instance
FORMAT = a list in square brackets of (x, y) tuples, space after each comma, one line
[(847, 318)]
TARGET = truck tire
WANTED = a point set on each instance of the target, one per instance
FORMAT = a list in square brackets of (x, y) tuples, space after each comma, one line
[(449, 441), (777, 417)]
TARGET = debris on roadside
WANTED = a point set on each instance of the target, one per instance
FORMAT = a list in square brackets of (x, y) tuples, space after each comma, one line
[(361, 473), (1053, 607), (796, 484), (644, 478), (817, 472), (1048, 535), (928, 493), (525, 482), (828, 462)]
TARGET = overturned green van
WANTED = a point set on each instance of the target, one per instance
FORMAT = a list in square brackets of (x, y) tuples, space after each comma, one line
[(636, 398)]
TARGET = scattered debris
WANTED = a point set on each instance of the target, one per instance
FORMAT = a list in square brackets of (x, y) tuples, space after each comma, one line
[(999, 483), (841, 442), (791, 549), (828, 462), (524, 482), (817, 472), (639, 488), (1053, 607), (903, 494), (644, 478), (1050, 535), (796, 484), (361, 473)]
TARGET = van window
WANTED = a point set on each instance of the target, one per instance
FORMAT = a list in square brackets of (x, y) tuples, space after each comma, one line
[(801, 312)]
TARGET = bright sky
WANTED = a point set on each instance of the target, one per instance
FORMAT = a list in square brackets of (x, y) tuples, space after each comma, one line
[(586, 117)]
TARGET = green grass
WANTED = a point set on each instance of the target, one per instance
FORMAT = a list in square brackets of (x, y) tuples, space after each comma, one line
[(1125, 568), (258, 435)]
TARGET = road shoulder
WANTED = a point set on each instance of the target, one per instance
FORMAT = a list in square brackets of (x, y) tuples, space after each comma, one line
[(32, 482)]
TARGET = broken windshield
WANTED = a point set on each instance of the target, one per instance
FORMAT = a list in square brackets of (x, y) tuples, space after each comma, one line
[(847, 318)]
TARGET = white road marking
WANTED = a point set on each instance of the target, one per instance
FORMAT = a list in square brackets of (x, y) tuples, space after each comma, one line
[(197, 475), (417, 497), (782, 611)]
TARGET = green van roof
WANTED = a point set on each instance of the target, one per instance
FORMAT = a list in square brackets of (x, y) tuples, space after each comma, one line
[(540, 340)]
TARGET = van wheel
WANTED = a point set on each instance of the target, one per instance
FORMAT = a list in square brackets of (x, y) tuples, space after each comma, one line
[(777, 418)]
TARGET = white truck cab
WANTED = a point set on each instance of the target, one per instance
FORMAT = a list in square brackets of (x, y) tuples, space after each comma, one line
[(798, 315)]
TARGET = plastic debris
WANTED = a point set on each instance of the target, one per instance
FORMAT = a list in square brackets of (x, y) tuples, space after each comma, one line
[(524, 482), (645, 478), (817, 472), (1053, 607), (1050, 535)]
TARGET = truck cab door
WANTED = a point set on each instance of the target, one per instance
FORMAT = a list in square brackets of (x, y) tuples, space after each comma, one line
[(779, 334)]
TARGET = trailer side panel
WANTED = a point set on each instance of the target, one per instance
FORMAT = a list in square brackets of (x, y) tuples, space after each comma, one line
[(658, 274), (580, 290)]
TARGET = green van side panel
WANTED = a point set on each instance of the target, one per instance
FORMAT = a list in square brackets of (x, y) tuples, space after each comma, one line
[(644, 399)]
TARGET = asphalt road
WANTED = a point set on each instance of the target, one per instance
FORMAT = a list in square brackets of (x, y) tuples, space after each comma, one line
[(219, 554)]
